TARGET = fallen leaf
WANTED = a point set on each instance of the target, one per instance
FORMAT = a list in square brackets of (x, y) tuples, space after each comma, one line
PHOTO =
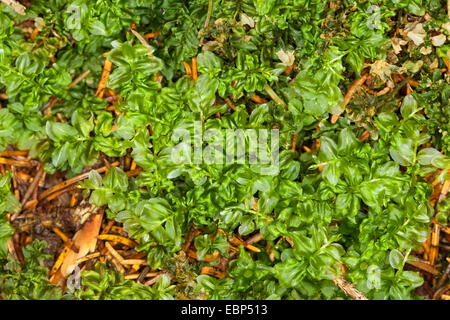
[(246, 20), (397, 44), (446, 26), (425, 50), (85, 240), (438, 40), (417, 34), (384, 70), (286, 57)]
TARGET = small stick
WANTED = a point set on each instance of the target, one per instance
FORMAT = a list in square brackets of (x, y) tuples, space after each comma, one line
[(351, 91), (208, 16), (144, 273), (440, 292), (115, 262), (207, 258), (349, 289), (383, 92), (254, 239), (444, 276), (11, 249), (60, 192), (154, 279), (16, 163), (77, 80), (134, 261), (51, 102), (274, 96), (15, 153), (33, 185), (71, 181), (424, 266), (230, 104), (133, 165), (88, 257)]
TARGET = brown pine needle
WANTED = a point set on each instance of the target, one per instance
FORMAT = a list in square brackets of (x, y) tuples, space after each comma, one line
[(73, 199), (194, 69), (257, 99), (103, 79), (61, 192), (33, 185), (447, 63), (364, 136), (230, 104), (151, 35), (60, 259), (254, 239), (34, 34), (133, 165), (154, 279), (16, 153), (350, 92), (61, 234), (119, 239), (134, 261), (424, 266), (88, 257), (188, 69), (113, 252), (294, 141), (211, 271), (135, 276), (444, 190), (289, 70), (252, 248)]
